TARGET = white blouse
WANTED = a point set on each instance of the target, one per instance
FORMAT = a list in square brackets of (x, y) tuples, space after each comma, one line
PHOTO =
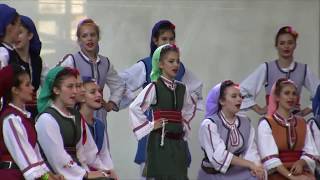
[(139, 122), (216, 150), (15, 137), (52, 145)]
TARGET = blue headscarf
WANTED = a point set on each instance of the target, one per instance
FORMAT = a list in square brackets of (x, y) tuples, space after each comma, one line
[(155, 30), (35, 43), (7, 14)]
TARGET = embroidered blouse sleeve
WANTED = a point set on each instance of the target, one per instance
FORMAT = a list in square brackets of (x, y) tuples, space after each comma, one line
[(315, 132), (27, 158), (139, 122), (188, 112), (214, 146), (252, 152), (87, 151), (51, 142), (105, 155), (311, 82), (267, 146), (310, 153), (251, 86), (116, 85), (4, 57), (134, 77), (195, 88)]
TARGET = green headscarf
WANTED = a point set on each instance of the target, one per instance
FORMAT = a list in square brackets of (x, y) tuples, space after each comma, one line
[(156, 71), (46, 91)]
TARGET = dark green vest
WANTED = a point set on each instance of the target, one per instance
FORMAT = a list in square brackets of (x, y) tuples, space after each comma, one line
[(168, 161), (70, 130)]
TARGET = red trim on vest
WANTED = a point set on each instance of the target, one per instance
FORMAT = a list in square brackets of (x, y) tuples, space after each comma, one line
[(84, 130)]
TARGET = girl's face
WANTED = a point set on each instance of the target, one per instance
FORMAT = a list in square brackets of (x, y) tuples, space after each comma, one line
[(286, 45), (24, 38), (232, 99), (13, 30), (88, 39), (67, 92), (80, 90), (25, 90), (170, 64), (93, 98), (287, 98), (167, 37)]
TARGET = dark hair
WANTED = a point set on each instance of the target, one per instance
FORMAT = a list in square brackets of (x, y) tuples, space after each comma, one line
[(61, 76), (286, 30), (15, 19), (166, 49), (18, 71), (224, 85), (281, 83), (164, 28), (88, 22)]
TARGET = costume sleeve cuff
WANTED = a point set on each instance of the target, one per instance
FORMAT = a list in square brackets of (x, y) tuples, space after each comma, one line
[(226, 164)]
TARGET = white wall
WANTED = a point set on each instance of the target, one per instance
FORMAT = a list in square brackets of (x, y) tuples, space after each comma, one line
[(218, 39)]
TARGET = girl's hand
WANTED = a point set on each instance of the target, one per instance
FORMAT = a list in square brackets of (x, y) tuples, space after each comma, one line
[(55, 176), (257, 170), (159, 123), (297, 167), (260, 110)]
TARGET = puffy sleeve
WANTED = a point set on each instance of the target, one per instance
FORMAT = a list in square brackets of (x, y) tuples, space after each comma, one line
[(214, 146), (27, 158), (87, 151), (252, 151), (267, 146), (310, 152), (134, 78), (105, 155), (4, 57), (194, 88), (139, 122), (50, 140), (251, 86), (188, 112), (45, 70), (311, 82), (116, 86)]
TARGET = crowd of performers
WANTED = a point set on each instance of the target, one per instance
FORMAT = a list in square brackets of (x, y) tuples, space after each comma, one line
[(54, 120)]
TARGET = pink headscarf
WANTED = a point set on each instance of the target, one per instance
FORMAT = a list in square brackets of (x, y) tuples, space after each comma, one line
[(273, 104)]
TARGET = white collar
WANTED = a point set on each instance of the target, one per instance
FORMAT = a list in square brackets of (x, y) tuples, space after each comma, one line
[(290, 67), (169, 83), (23, 111), (8, 46), (88, 59), (60, 112)]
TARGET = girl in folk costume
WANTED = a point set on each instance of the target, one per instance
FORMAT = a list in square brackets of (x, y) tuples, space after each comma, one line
[(284, 67), (173, 109), (92, 102), (64, 137), (20, 155), (28, 47), (9, 31), (284, 140), (138, 75), (228, 139), (91, 64)]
